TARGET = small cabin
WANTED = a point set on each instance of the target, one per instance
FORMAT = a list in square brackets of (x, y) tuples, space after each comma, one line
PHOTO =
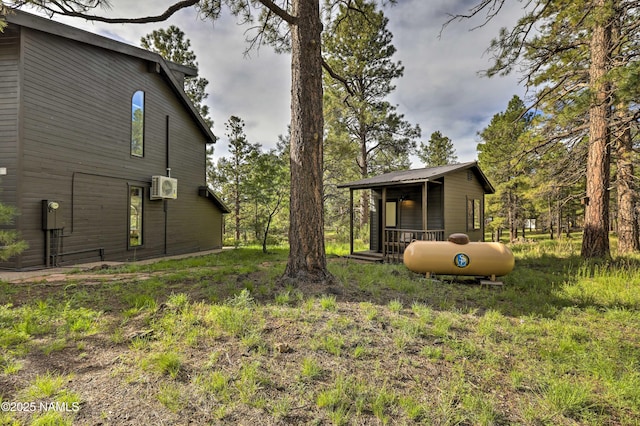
[(421, 204)]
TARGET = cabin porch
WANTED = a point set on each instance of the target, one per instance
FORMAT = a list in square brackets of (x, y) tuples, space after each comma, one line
[(398, 215), (396, 241)]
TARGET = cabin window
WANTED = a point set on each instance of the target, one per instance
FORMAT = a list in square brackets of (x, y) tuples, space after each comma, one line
[(474, 214), (136, 195), (137, 124)]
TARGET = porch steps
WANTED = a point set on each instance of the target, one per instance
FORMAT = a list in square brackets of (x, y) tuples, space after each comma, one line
[(367, 257)]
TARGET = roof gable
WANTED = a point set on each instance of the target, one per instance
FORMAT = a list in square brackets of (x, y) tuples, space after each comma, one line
[(169, 70), (413, 176), (207, 193)]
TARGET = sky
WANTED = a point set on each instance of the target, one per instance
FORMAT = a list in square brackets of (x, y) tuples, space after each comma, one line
[(441, 89)]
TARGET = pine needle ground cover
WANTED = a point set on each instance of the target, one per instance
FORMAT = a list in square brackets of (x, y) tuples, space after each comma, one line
[(213, 340)]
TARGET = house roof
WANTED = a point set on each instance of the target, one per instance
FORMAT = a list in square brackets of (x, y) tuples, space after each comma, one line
[(205, 192), (414, 176), (169, 70)]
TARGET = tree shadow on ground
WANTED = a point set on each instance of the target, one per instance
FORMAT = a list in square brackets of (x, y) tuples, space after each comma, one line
[(538, 286)]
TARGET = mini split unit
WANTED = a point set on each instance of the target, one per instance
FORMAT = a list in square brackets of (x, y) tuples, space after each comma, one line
[(163, 188)]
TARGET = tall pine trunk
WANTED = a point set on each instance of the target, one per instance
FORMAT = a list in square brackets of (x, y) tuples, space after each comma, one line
[(307, 260), (237, 203), (595, 243), (625, 180), (627, 224)]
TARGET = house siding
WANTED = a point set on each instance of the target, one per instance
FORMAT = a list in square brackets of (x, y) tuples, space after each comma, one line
[(375, 217), (435, 216), (410, 209), (76, 105), (458, 187), (9, 110)]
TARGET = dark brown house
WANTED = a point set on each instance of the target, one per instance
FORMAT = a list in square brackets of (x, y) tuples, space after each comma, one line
[(423, 204), (101, 151)]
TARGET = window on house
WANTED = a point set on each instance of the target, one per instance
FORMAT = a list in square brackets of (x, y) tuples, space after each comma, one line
[(391, 217), (474, 214), (137, 124), (136, 195), (477, 214)]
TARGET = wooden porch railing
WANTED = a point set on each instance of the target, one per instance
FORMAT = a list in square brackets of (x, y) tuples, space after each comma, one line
[(396, 240)]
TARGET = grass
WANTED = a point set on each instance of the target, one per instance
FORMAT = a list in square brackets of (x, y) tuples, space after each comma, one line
[(49, 399), (310, 369), (216, 339), (46, 386), (166, 363), (171, 397)]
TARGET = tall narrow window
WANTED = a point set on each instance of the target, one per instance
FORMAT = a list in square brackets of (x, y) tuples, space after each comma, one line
[(474, 214), (477, 215), (137, 124), (135, 216)]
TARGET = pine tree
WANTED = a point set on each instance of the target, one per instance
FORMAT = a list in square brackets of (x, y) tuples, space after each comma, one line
[(10, 242), (231, 176), (498, 156), (358, 47), (267, 190), (439, 151), (581, 70), (172, 45)]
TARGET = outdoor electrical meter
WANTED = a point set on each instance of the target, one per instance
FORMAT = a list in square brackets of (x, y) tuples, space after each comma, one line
[(51, 215)]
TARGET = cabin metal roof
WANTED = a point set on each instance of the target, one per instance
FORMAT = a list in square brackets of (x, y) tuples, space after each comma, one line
[(415, 176), (166, 68)]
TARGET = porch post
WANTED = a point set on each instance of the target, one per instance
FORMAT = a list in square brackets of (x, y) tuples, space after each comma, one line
[(424, 206), (384, 222), (351, 216)]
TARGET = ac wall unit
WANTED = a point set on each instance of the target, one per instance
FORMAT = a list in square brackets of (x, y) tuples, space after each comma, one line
[(163, 187)]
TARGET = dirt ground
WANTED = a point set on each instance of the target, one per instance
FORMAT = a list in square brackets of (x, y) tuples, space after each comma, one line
[(114, 390)]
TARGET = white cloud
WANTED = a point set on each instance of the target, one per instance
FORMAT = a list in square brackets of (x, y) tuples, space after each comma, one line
[(441, 88)]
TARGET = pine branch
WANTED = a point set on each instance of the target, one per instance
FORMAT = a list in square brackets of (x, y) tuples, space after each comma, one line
[(335, 76), (66, 7), (283, 14)]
